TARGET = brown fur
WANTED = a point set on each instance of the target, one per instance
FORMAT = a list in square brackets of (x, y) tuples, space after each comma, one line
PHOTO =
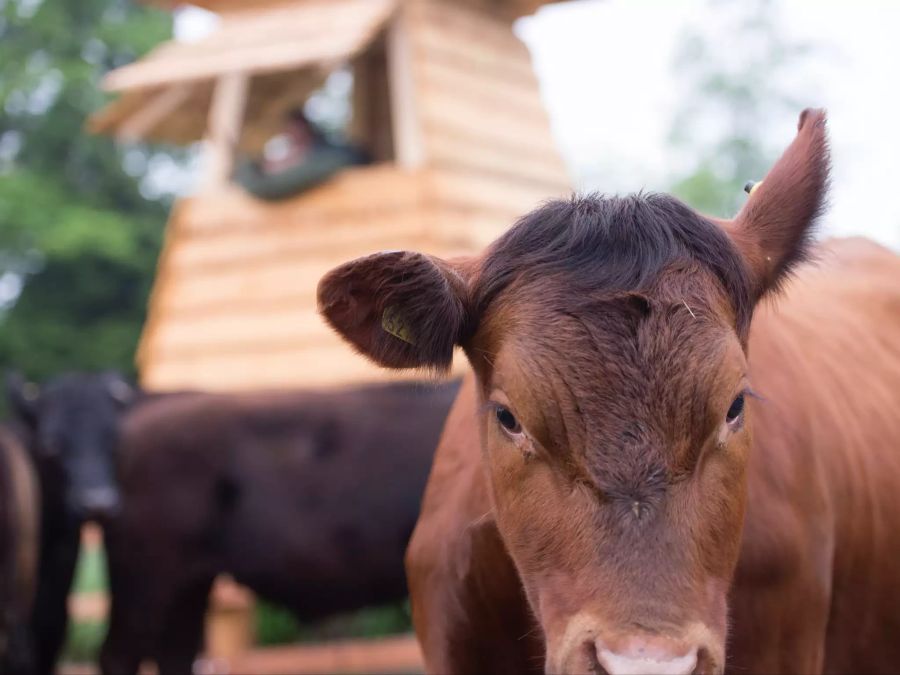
[(19, 538), (306, 497), (615, 331)]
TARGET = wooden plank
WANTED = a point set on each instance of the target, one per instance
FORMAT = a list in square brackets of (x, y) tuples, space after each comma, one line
[(409, 150), (160, 282), (514, 8), (225, 116), (460, 119), (399, 654), (245, 327), (546, 171), (286, 38), (295, 19), (371, 125), (467, 190), (187, 123), (434, 44), (160, 106), (470, 25), (506, 10), (187, 68), (229, 630), (357, 192), (227, 6), (299, 241), (107, 118), (266, 368), (445, 78)]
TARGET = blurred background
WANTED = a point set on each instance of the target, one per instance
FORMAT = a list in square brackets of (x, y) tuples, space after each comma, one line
[(693, 97)]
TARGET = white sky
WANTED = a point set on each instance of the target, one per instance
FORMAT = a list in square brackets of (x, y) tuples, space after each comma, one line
[(605, 68)]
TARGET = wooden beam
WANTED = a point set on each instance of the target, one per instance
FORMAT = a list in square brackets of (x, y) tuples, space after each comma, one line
[(230, 629), (409, 149), (226, 115), (288, 36), (190, 64), (137, 125), (394, 654)]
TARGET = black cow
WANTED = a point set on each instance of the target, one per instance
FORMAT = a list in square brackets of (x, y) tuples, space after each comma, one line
[(73, 425), (308, 498), (19, 532)]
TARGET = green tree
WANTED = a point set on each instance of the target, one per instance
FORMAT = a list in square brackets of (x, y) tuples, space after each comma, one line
[(736, 71), (80, 228)]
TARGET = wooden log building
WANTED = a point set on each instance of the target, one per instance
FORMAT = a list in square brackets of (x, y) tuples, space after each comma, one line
[(444, 99)]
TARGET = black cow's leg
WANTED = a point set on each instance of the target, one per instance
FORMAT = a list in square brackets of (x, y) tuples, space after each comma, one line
[(182, 636), (59, 553), (20, 654), (133, 586), (125, 643)]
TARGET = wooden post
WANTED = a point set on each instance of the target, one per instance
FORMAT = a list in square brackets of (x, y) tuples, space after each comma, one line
[(230, 630), (407, 124), (226, 114), (371, 120)]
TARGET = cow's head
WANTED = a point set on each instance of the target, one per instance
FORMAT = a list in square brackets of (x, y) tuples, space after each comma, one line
[(73, 421), (608, 337)]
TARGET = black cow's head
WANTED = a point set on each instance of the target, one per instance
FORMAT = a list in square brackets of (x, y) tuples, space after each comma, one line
[(74, 423)]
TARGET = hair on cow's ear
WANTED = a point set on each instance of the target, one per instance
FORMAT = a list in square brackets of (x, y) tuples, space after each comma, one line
[(400, 309), (774, 229), (23, 398)]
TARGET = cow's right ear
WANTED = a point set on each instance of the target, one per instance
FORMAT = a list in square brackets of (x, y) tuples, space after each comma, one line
[(774, 229), (400, 309), (23, 397)]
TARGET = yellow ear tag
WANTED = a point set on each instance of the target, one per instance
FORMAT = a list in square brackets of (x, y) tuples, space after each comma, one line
[(392, 322)]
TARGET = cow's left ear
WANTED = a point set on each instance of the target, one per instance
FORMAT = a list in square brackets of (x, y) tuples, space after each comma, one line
[(23, 397), (401, 309), (774, 229)]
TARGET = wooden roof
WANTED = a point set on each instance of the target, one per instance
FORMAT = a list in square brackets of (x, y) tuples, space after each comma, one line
[(287, 36), (289, 48), (507, 7), (178, 113)]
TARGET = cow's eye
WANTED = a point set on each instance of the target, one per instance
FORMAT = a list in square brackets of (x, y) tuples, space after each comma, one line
[(736, 409), (507, 420)]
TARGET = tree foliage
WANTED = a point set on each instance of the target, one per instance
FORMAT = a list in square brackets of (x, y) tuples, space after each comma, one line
[(735, 70), (79, 228)]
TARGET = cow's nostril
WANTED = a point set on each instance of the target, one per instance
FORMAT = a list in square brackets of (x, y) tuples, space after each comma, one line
[(646, 657), (706, 665), (589, 650)]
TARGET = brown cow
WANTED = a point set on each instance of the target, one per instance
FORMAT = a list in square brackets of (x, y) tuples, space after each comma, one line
[(597, 474), (19, 535)]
